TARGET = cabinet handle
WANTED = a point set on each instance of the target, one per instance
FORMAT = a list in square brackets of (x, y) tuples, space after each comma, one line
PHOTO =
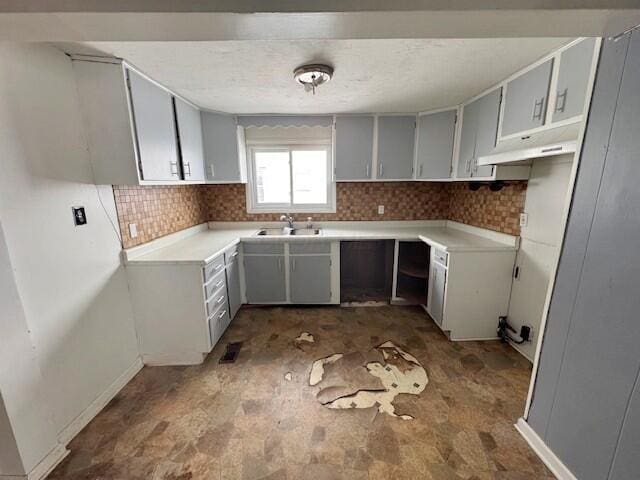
[(187, 167), (212, 170), (219, 284), (293, 264), (366, 170), (420, 171), (538, 107), (174, 168), (218, 267), (222, 314), (234, 254), (220, 300), (380, 170), (280, 264), (563, 96)]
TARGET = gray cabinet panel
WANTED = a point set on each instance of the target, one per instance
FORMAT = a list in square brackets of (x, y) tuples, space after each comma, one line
[(526, 100), (573, 79), (354, 147), (478, 136), (626, 463), (155, 129), (435, 144), (265, 279), (220, 140), (233, 286), (190, 136), (437, 284), (396, 139), (310, 279)]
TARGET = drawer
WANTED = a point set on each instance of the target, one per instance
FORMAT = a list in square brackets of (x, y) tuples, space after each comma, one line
[(213, 268), (232, 254), (216, 300), (440, 256), (309, 247), (216, 283), (263, 248), (218, 323)]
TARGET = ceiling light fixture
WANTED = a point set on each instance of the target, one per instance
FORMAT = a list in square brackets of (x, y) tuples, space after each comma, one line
[(312, 76)]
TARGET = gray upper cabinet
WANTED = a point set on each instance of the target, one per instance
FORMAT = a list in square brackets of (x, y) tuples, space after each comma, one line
[(265, 279), (223, 160), (478, 135), (354, 147), (526, 100), (435, 145), (190, 140), (396, 140), (155, 129), (310, 278), (573, 80)]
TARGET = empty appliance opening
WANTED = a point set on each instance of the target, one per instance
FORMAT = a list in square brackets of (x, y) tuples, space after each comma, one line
[(366, 271)]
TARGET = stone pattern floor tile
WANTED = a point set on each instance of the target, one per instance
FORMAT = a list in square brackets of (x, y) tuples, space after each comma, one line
[(245, 421)]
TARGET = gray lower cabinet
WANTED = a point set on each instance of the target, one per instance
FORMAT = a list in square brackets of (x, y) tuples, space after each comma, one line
[(526, 99), (573, 80), (354, 147), (396, 139), (437, 282), (155, 130), (310, 278), (435, 145), (233, 283), (265, 279), (222, 154), (478, 135), (190, 139)]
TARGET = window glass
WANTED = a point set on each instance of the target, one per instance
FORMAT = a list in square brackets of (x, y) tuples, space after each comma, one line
[(309, 173), (272, 176)]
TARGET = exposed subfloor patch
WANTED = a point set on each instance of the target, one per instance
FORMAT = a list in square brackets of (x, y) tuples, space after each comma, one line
[(305, 337), (399, 373)]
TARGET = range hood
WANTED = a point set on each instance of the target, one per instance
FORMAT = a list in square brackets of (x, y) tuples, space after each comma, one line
[(548, 143)]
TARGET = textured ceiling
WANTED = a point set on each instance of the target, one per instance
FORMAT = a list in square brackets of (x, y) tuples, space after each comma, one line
[(391, 75)]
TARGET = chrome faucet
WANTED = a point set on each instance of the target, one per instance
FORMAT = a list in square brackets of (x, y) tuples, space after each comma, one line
[(287, 218)]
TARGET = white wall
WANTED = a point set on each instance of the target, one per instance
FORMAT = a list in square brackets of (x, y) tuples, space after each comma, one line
[(72, 286), (545, 203)]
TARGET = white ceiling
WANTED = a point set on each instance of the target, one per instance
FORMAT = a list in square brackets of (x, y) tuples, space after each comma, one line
[(390, 75)]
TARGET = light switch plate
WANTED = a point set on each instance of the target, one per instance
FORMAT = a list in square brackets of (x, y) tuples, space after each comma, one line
[(380, 209), (524, 219), (133, 230)]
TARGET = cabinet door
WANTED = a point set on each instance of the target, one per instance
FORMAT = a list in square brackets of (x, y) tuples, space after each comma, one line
[(573, 79), (310, 279), (435, 144), (264, 278), (233, 286), (467, 140), (526, 100), (437, 282), (155, 129), (396, 139), (220, 139), (190, 139), (354, 147), (487, 114)]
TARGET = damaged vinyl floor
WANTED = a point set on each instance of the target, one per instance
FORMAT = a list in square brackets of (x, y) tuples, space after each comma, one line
[(263, 417)]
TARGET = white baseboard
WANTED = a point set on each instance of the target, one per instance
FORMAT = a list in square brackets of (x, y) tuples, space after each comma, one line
[(44, 468), (549, 458), (81, 421), (181, 358)]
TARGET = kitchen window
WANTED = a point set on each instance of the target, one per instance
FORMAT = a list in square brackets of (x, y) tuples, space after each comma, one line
[(290, 178)]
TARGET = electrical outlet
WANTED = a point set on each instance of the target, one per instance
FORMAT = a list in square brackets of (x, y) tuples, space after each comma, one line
[(133, 230), (79, 217), (524, 219), (380, 209)]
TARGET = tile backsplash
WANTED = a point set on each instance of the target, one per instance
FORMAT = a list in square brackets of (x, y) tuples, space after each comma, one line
[(161, 210)]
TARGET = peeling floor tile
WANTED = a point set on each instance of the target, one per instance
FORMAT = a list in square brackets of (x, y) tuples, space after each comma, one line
[(305, 337), (317, 369), (288, 376)]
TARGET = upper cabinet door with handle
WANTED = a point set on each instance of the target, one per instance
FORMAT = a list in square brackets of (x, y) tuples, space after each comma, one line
[(155, 129), (526, 100), (190, 137), (354, 147), (221, 151), (396, 141), (573, 80), (435, 144)]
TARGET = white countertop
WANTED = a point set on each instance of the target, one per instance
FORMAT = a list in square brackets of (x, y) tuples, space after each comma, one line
[(199, 245)]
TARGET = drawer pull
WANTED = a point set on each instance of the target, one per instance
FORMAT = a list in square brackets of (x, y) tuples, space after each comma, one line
[(220, 299), (222, 314), (219, 284), (234, 254), (217, 267)]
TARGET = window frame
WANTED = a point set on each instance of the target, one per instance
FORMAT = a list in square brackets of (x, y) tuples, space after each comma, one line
[(252, 185)]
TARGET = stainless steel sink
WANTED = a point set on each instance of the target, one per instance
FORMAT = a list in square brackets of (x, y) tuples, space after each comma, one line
[(274, 232), (305, 231)]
